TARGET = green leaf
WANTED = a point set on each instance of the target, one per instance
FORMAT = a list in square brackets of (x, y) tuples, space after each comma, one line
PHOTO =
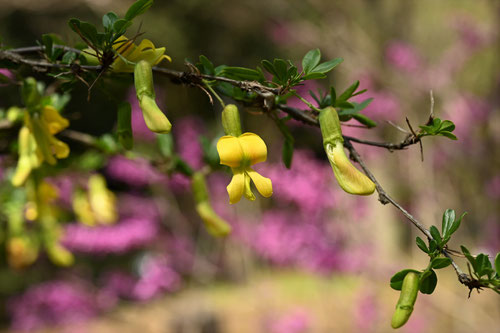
[(483, 264), (348, 92), (287, 154), (497, 263), (281, 69), (438, 263), (47, 42), (207, 65), (182, 167), (432, 245), (364, 120), (456, 224), (397, 279), (120, 26), (448, 135), (108, 20), (268, 66), (68, 57), (124, 130), (311, 60), (74, 24), (328, 66), (428, 282), (89, 31), (435, 234), (333, 96), (210, 154), (313, 76), (241, 73), (421, 244), (139, 7), (447, 221)]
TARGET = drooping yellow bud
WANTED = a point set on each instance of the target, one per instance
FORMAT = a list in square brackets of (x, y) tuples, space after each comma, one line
[(143, 79), (349, 178), (102, 201), (28, 159), (59, 255)]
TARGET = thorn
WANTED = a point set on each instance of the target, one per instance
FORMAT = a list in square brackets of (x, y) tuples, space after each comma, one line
[(397, 127)]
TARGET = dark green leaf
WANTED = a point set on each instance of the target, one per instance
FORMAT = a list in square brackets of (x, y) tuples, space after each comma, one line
[(4, 79), (316, 98), (287, 154), (432, 245), (281, 69), (207, 65), (328, 66), (47, 42), (241, 73), (182, 167), (467, 254), (482, 264), (210, 154), (421, 244), (333, 96), (268, 66), (438, 263), (68, 57), (311, 60), (108, 20), (447, 125), (345, 105), (139, 7), (74, 24), (348, 92), (435, 234), (120, 26), (397, 279), (124, 130), (428, 282)]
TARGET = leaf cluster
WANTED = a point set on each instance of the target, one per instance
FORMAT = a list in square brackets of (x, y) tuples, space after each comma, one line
[(439, 127)]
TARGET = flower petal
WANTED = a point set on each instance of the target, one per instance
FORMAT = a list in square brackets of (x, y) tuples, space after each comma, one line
[(248, 190), (230, 151), (263, 184), (55, 122), (236, 186), (254, 148)]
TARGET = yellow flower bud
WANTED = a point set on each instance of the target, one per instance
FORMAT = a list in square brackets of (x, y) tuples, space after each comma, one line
[(349, 178), (143, 79), (407, 299), (216, 226)]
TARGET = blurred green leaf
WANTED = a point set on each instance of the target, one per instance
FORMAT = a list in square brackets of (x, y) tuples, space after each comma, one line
[(183, 167), (207, 67), (364, 120), (68, 57), (108, 20), (47, 43), (281, 69), (139, 7), (120, 26), (241, 73), (314, 76), (428, 282), (311, 60), (268, 66), (287, 154), (166, 144)]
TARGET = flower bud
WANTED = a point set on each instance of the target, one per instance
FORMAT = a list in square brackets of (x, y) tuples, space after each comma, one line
[(349, 178), (155, 119), (216, 226), (404, 307), (59, 255), (231, 120), (199, 187)]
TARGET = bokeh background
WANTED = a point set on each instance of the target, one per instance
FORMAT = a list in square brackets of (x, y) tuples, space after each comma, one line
[(312, 258)]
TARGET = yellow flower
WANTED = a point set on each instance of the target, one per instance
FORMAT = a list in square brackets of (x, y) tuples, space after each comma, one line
[(135, 53), (240, 153), (37, 142)]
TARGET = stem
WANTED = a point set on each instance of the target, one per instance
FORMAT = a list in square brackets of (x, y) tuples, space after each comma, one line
[(214, 93), (294, 93)]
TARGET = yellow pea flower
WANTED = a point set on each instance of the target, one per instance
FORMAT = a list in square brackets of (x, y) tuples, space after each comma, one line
[(135, 53), (37, 142), (240, 153)]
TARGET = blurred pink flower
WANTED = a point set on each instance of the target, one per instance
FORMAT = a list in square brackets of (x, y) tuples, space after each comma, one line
[(135, 172), (187, 132), (51, 303), (467, 112), (366, 311), (493, 187), (126, 235), (156, 276), (297, 321), (403, 56)]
